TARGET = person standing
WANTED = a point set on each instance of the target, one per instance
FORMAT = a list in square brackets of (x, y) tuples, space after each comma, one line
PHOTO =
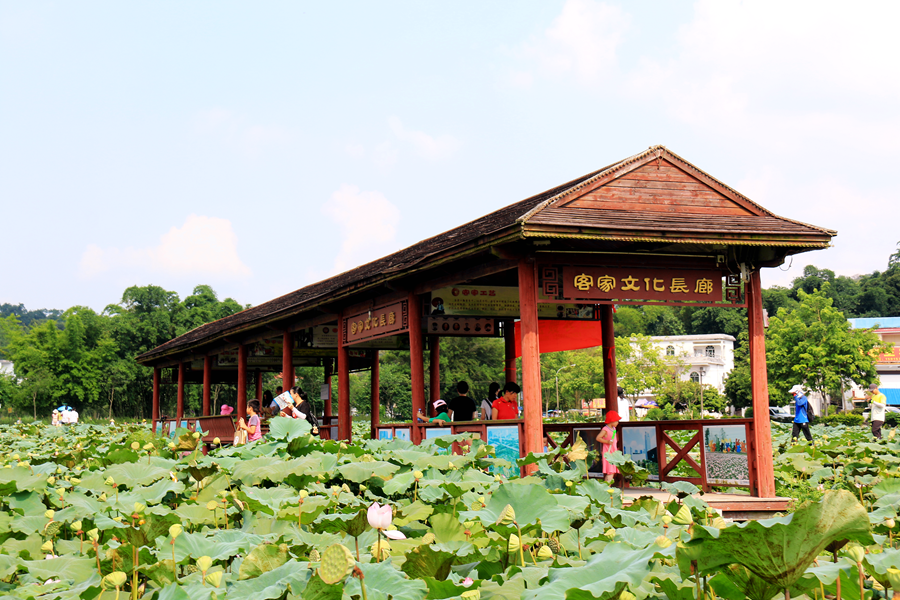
[(462, 408), (876, 416), (507, 405), (607, 437), (801, 414), (253, 425), (488, 402)]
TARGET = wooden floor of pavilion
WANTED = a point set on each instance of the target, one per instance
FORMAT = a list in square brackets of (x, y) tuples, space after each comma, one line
[(739, 507)]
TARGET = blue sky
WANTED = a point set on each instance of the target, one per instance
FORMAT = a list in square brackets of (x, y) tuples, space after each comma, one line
[(259, 147)]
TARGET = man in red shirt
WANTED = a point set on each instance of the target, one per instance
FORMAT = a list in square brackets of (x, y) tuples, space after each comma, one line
[(507, 405)]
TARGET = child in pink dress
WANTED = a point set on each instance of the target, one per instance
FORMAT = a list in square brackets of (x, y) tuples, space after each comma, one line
[(607, 437)]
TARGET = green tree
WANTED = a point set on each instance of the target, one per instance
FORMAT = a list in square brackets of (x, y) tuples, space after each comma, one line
[(738, 390), (640, 365), (814, 345)]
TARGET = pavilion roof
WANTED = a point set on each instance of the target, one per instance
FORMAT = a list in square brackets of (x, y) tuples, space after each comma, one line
[(652, 196)]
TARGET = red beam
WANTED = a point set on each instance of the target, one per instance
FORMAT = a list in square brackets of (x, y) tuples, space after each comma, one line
[(243, 350), (259, 390), (376, 392), (155, 409), (764, 486), (287, 361), (509, 360), (329, 369), (179, 410), (531, 360), (345, 428), (434, 370), (610, 380), (207, 383), (416, 360)]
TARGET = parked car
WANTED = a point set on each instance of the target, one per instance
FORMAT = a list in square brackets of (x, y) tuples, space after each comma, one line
[(782, 414)]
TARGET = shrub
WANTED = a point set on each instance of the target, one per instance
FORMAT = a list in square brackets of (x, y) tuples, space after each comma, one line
[(845, 418), (892, 419), (667, 413)]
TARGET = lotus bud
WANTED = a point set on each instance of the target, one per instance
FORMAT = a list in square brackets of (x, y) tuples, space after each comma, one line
[(115, 579), (196, 435), (343, 446), (51, 480), (345, 488), (135, 446), (138, 507), (217, 441), (626, 595), (867, 460), (362, 488), (663, 542), (890, 523), (212, 505), (545, 553), (76, 525), (215, 579), (514, 544), (480, 499), (856, 552), (110, 481), (553, 543), (497, 478), (337, 563), (304, 494), (49, 514), (102, 497), (418, 474), (428, 538), (175, 530), (314, 555), (148, 446), (204, 563), (117, 519), (15, 457), (59, 470), (75, 480), (47, 547), (471, 595), (610, 533), (893, 577), (94, 534), (171, 445), (507, 516), (224, 494)]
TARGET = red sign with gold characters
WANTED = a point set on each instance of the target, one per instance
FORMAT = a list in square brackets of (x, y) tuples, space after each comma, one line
[(602, 283), (379, 322)]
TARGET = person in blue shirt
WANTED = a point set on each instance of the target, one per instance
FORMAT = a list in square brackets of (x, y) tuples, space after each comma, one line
[(801, 414)]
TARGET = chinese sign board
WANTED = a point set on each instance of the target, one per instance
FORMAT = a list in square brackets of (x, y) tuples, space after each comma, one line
[(376, 323), (497, 301), (602, 283), (461, 326), (268, 354)]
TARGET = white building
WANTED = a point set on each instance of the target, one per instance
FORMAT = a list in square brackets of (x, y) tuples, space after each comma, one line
[(6, 368), (708, 359)]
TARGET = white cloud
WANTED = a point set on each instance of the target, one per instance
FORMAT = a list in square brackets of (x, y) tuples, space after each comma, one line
[(238, 133), (202, 246), (355, 149), (368, 223), (582, 41), (385, 155), (432, 148)]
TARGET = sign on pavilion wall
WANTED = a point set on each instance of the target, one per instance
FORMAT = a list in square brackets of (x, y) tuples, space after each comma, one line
[(379, 322), (584, 283), (499, 302)]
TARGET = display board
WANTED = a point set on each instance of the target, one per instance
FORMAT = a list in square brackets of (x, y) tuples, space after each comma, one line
[(498, 302), (505, 440), (726, 455), (640, 444)]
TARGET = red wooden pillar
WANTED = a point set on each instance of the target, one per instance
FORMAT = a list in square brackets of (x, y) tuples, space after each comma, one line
[(259, 389), (610, 379), (434, 372), (509, 346), (531, 360), (179, 409), (155, 409), (329, 369), (345, 428), (416, 360), (207, 383), (376, 393), (287, 361), (242, 381), (759, 385)]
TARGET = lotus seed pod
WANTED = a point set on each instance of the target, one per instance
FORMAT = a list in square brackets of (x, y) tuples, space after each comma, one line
[(148, 446), (867, 460), (362, 488), (418, 474), (893, 577), (204, 563), (497, 478), (471, 595), (135, 445), (337, 563), (191, 569), (51, 480), (75, 480), (553, 543), (49, 514), (611, 491), (117, 519), (626, 595), (215, 579), (314, 555), (115, 579), (217, 441), (568, 484), (94, 534), (61, 491), (102, 497), (514, 544), (196, 435), (212, 505), (476, 505), (47, 547), (110, 481), (345, 488), (76, 525), (304, 493), (138, 507), (857, 553), (15, 457), (428, 538), (663, 542), (683, 516), (610, 533), (719, 523), (507, 516), (890, 523), (171, 445), (469, 524), (545, 553)]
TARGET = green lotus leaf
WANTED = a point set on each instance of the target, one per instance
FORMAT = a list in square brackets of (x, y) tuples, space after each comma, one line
[(8, 565), (292, 576), (399, 484), (287, 429), (779, 550), (70, 567), (316, 589), (145, 535), (438, 589), (680, 590), (417, 511), (262, 559), (276, 469), (31, 546), (30, 504), (351, 523), (384, 581), (154, 494), (681, 489), (409, 457), (120, 456), (186, 591), (218, 545), (160, 573), (604, 576), (361, 472), (20, 479), (425, 561), (877, 564), (530, 503), (887, 486), (135, 474), (268, 499), (196, 514), (447, 528)]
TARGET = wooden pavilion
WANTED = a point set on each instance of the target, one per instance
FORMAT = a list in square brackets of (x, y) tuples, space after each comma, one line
[(652, 228)]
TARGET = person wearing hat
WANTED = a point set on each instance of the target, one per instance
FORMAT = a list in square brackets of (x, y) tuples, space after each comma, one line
[(801, 414), (607, 437), (878, 401), (440, 408)]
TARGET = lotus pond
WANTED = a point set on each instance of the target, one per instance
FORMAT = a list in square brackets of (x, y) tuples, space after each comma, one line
[(113, 512)]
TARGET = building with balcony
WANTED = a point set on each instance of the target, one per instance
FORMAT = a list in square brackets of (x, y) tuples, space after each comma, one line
[(707, 359), (888, 364)]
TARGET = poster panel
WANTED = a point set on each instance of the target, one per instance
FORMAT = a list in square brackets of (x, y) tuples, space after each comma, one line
[(725, 455), (505, 440), (401, 433), (385, 434), (461, 326), (640, 444), (498, 301)]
